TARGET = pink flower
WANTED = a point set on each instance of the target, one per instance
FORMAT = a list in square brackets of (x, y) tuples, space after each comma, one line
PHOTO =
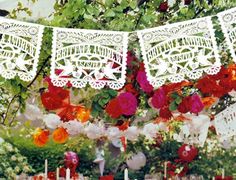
[(143, 82), (196, 104), (128, 103), (159, 98)]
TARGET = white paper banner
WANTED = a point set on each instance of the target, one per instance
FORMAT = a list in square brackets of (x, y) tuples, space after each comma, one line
[(20, 45), (228, 25), (195, 130), (225, 122), (89, 56), (174, 51)]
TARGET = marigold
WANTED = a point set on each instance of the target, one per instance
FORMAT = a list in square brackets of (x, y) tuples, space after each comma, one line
[(83, 114), (40, 137), (60, 135)]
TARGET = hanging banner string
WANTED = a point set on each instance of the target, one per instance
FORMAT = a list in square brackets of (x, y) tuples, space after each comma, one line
[(171, 52)]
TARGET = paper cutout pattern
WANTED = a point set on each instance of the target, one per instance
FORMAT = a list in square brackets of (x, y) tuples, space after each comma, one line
[(228, 25), (20, 45), (195, 130), (89, 56), (225, 122), (174, 51)]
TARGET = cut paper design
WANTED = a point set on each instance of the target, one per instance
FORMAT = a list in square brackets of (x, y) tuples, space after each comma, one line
[(20, 45), (228, 25), (194, 131), (225, 122), (174, 51), (89, 56)]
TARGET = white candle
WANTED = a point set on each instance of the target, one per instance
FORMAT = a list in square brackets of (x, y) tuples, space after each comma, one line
[(126, 176), (67, 174), (57, 174), (213, 178), (165, 169), (46, 169), (223, 173)]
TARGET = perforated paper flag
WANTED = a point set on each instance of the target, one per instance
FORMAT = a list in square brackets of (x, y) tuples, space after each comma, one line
[(175, 51), (20, 45), (228, 25), (225, 122), (89, 56)]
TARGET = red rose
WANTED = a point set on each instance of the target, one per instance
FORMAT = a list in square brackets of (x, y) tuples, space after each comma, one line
[(113, 108), (165, 113), (159, 98), (184, 105), (187, 153), (163, 6)]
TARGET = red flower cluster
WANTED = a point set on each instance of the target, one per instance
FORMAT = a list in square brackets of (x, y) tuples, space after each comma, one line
[(220, 84), (58, 99), (162, 98), (125, 103), (191, 104)]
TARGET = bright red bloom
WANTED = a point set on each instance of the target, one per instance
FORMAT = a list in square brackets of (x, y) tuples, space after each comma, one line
[(184, 105), (53, 100), (68, 112), (165, 113), (159, 99), (187, 153), (113, 108)]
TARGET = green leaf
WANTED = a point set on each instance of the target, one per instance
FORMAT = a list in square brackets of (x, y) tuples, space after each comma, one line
[(133, 4), (109, 13), (109, 3), (173, 106)]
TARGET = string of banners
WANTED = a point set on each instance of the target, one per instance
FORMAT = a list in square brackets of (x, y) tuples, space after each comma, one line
[(171, 52)]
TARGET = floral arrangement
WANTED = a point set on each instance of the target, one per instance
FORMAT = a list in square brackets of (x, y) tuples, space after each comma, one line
[(12, 162)]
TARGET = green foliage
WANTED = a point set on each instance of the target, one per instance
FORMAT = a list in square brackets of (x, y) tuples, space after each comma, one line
[(12, 162), (100, 100)]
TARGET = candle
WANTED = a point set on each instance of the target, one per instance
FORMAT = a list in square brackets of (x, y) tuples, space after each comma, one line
[(46, 169), (126, 177), (213, 178), (67, 174), (57, 174), (223, 173), (165, 170)]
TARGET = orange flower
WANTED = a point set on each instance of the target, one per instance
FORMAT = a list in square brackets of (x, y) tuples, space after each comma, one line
[(208, 101), (83, 114), (60, 135), (40, 137)]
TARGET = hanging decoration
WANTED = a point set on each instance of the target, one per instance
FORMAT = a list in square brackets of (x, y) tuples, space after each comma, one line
[(225, 122), (228, 22), (195, 130), (174, 51), (20, 45), (89, 56)]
